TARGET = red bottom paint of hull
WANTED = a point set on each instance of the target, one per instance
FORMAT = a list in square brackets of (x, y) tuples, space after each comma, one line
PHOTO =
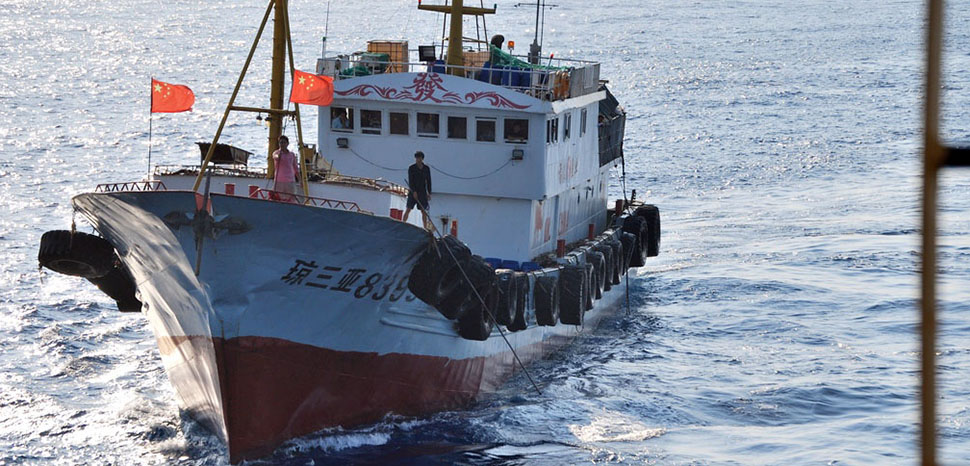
[(274, 390)]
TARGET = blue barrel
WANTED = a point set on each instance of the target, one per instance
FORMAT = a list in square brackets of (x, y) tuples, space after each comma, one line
[(485, 73), (495, 262), (510, 264), (530, 267)]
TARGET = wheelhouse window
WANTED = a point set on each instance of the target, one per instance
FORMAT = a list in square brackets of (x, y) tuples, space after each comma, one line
[(516, 130), (428, 124), (457, 127), (484, 130), (342, 119), (582, 123), (370, 121), (399, 123), (567, 124), (552, 130)]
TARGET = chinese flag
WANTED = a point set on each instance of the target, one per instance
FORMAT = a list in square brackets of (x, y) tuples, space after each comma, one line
[(171, 98), (311, 89)]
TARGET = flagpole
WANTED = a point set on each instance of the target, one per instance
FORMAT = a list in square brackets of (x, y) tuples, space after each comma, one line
[(151, 101)]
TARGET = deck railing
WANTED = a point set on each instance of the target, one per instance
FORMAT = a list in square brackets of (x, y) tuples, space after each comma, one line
[(276, 196), (557, 79), (130, 186)]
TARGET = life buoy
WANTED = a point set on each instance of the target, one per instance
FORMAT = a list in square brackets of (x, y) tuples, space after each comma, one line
[(572, 294), (546, 297), (76, 254), (651, 214)]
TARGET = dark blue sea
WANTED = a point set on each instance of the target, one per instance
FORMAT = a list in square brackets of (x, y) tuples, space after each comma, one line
[(780, 140)]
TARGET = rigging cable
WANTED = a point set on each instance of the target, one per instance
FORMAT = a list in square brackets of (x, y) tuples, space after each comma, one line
[(482, 301)]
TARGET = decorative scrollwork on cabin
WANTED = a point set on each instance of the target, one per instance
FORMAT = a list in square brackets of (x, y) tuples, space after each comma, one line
[(429, 87)]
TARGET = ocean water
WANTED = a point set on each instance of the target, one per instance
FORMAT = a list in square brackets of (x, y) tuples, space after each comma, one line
[(779, 139)]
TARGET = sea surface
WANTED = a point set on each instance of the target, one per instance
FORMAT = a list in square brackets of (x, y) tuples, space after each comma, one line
[(779, 325)]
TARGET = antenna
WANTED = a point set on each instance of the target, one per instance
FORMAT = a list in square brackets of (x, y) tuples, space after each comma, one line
[(536, 48)]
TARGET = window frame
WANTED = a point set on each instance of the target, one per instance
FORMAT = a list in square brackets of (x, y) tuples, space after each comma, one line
[(350, 119), (505, 132), (493, 121), (407, 123), (417, 124), (448, 119), (370, 130)]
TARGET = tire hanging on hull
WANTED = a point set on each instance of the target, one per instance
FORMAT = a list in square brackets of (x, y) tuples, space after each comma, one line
[(547, 300), (573, 292)]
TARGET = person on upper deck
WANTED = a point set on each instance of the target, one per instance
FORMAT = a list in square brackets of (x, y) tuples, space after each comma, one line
[(287, 169), (419, 180)]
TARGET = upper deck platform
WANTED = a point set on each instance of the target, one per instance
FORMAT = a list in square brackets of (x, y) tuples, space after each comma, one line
[(552, 80)]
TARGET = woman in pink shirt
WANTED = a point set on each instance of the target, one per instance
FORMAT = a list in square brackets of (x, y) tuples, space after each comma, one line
[(284, 180)]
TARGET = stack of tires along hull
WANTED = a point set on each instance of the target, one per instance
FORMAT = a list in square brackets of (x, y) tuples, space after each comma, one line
[(465, 289)]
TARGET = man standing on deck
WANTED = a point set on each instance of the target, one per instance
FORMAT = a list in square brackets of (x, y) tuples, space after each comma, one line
[(419, 180), (287, 171)]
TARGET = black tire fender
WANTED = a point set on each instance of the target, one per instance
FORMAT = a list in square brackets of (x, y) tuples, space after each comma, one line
[(608, 267), (521, 283), (572, 294), (599, 265), (119, 286), (651, 214), (618, 260), (507, 299), (76, 254), (629, 241), (590, 280), (547, 300), (637, 226), (475, 321), (453, 288)]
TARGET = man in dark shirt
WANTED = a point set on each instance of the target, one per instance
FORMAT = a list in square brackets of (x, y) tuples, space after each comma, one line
[(419, 180)]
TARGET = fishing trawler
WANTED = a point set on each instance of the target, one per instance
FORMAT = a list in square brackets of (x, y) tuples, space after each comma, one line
[(278, 315)]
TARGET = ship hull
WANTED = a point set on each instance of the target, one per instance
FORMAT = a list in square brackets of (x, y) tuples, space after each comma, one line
[(299, 318)]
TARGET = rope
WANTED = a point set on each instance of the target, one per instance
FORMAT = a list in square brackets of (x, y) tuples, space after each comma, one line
[(352, 151), (471, 177), (375, 164), (482, 301), (487, 310)]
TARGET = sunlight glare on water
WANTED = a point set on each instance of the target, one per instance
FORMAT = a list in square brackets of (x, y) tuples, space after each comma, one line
[(778, 326)]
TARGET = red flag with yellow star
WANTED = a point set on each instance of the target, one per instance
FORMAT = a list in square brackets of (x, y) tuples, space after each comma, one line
[(311, 89), (171, 98)]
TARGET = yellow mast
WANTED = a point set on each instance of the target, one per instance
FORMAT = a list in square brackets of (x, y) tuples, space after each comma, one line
[(276, 84), (454, 57), (281, 42)]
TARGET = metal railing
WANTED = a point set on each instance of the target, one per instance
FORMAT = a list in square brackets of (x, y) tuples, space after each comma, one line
[(131, 186), (562, 79), (276, 196)]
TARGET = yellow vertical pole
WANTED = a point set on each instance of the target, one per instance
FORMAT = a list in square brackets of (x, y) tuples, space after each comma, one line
[(235, 92), (299, 126), (933, 156), (276, 84), (455, 57)]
